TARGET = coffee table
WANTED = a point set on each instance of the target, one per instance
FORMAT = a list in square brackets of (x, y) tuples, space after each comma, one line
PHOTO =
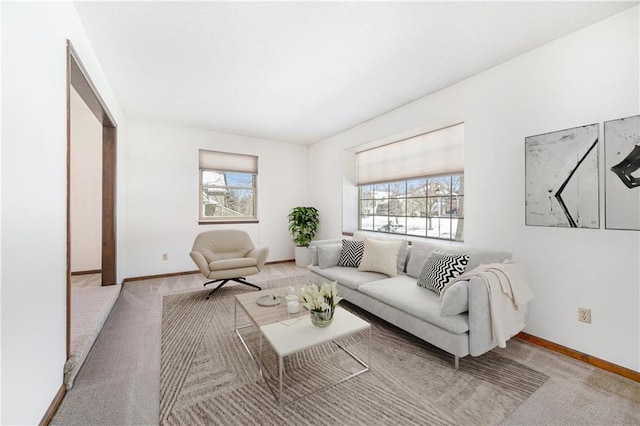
[(288, 334)]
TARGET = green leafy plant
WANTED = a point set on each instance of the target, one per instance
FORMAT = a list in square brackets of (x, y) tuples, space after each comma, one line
[(303, 224)]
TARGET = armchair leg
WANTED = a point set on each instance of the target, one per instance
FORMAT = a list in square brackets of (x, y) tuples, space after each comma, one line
[(212, 282), (240, 280)]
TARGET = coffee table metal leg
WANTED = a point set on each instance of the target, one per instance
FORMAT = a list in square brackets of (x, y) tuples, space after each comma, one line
[(260, 356), (369, 350), (280, 368), (238, 328)]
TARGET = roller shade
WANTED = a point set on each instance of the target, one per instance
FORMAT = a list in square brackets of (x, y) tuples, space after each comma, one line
[(431, 154), (228, 162)]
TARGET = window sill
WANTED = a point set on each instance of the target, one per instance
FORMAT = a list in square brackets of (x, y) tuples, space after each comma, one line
[(220, 222)]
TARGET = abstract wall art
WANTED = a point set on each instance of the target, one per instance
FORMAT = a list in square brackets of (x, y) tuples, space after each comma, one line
[(622, 173), (561, 178)]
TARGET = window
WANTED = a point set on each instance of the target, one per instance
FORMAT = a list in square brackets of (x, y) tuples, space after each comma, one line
[(414, 186), (425, 207), (228, 185)]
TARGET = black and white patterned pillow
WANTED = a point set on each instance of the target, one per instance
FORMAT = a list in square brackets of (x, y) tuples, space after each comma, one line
[(351, 253), (440, 268)]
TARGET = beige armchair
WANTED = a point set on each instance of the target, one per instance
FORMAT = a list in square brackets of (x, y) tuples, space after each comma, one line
[(227, 255)]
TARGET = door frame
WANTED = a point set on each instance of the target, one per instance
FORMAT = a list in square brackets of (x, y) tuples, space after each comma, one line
[(78, 78)]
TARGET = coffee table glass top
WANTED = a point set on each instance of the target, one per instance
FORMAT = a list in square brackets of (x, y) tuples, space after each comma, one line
[(263, 315)]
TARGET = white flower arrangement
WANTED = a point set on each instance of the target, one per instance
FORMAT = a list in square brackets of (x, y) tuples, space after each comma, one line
[(321, 299)]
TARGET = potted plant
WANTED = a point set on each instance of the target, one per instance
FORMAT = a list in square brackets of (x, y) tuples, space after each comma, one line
[(303, 225)]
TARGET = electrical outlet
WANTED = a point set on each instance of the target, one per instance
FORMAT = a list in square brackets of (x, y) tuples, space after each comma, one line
[(165, 256), (584, 315)]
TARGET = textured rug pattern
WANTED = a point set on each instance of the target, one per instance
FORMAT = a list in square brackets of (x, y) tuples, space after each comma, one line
[(207, 377)]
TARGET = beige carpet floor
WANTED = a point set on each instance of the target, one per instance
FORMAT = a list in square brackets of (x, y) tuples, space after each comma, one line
[(207, 377), (91, 304), (119, 383)]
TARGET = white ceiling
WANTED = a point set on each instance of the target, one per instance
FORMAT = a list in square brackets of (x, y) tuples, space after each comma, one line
[(303, 71)]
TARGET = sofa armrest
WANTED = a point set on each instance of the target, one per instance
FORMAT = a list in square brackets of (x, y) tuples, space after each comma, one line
[(260, 255), (480, 340), (201, 262)]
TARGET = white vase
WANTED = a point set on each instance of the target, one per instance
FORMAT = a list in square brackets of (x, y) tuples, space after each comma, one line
[(303, 259)]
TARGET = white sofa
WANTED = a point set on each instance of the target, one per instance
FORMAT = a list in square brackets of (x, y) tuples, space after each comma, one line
[(459, 324)]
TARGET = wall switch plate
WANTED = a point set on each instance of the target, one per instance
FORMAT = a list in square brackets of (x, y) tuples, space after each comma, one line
[(584, 315), (165, 256)]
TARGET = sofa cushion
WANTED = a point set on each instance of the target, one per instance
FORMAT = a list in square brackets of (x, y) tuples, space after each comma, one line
[(349, 277), (380, 256), (351, 253), (328, 255), (402, 293), (420, 250), (440, 268), (455, 300)]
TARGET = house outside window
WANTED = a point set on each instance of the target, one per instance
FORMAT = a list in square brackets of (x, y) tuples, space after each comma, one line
[(414, 186), (228, 187)]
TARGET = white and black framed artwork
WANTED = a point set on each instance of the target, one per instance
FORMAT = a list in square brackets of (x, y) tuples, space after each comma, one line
[(622, 173), (561, 178)]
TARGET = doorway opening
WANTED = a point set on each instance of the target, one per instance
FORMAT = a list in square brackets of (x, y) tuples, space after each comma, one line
[(96, 226)]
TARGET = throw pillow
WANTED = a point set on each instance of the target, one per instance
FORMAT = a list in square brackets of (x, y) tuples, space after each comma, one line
[(440, 268), (420, 250), (328, 255), (380, 256), (455, 300), (313, 253), (351, 253), (403, 255)]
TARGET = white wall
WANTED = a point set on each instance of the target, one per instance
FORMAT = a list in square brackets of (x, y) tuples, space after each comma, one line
[(86, 188), (587, 77), (1, 181), (162, 193), (34, 180)]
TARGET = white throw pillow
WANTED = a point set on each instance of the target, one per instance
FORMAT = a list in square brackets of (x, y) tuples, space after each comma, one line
[(455, 300), (380, 256)]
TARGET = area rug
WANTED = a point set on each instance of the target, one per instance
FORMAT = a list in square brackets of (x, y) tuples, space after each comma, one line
[(207, 377)]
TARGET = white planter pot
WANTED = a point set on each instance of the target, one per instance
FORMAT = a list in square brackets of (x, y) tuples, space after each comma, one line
[(302, 256)]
